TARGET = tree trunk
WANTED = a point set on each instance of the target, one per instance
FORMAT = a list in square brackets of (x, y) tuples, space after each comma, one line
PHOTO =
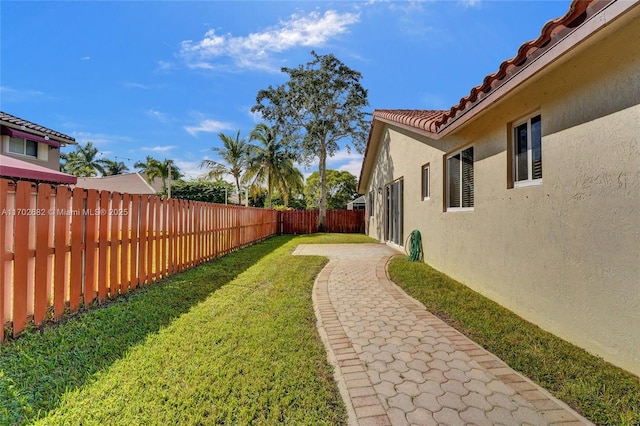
[(239, 191), (269, 189), (322, 166)]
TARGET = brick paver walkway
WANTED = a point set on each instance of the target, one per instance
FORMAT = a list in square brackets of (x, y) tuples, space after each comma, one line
[(397, 364)]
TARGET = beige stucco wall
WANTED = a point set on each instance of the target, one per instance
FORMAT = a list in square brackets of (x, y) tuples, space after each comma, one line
[(565, 254), (49, 157)]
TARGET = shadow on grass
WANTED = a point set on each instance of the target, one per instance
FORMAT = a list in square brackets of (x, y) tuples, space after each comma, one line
[(39, 367)]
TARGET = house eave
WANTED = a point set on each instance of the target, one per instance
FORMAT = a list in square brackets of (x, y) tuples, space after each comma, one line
[(604, 13)]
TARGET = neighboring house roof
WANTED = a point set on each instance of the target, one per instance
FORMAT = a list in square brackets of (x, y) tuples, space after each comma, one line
[(130, 183), (557, 37), (14, 168), (360, 201), (14, 126)]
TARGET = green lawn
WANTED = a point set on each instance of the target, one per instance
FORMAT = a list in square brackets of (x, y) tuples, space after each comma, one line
[(231, 341), (599, 391)]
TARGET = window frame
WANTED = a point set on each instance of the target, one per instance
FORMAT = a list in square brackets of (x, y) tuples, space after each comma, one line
[(24, 147), (370, 203), (530, 180), (426, 182), (447, 168)]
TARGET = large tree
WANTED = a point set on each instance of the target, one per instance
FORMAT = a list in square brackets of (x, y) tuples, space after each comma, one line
[(321, 105), (153, 168), (341, 188), (83, 161), (234, 154), (270, 163)]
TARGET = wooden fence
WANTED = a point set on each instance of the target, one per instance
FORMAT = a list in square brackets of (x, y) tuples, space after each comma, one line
[(62, 248), (306, 221)]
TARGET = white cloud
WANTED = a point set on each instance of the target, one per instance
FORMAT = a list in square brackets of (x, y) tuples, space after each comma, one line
[(469, 3), (85, 58), (352, 167), (207, 126), (255, 50), (16, 95), (158, 148), (341, 160), (160, 116), (190, 169), (343, 155), (134, 85), (99, 139), (164, 66)]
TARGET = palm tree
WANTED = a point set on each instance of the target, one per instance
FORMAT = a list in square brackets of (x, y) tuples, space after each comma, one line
[(112, 167), (83, 162), (272, 164), (234, 155), (153, 168)]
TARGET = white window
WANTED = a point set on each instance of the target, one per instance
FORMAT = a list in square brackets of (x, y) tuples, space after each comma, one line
[(460, 180), (426, 181), (527, 152), (370, 203), (23, 147)]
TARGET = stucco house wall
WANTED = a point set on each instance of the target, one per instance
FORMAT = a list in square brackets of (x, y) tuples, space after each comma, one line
[(48, 156), (564, 254)]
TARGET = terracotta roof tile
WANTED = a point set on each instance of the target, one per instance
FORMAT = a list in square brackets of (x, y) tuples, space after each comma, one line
[(552, 32), (20, 123), (421, 119)]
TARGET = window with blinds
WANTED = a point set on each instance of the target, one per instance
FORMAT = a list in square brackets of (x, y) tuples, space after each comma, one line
[(460, 184), (527, 152)]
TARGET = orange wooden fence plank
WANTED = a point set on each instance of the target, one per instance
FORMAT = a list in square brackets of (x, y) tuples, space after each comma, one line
[(43, 215), (135, 229), (77, 242), (21, 257), (157, 233), (90, 289), (103, 245), (4, 218), (150, 236), (125, 249), (60, 250), (144, 228), (114, 279)]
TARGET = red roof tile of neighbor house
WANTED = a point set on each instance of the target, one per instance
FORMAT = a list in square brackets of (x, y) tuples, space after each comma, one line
[(17, 123), (552, 32)]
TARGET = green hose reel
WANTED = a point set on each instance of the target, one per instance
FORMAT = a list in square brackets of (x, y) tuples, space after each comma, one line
[(413, 246)]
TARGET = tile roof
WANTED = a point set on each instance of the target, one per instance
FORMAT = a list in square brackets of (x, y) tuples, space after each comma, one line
[(421, 119), (19, 123), (552, 32)]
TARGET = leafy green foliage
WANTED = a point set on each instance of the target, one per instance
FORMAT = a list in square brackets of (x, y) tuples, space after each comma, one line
[(271, 163), (321, 104), (153, 168), (235, 157), (202, 190), (83, 161), (112, 167), (341, 188), (599, 391)]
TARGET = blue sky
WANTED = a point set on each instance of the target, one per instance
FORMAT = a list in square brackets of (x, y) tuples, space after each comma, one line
[(163, 78)]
